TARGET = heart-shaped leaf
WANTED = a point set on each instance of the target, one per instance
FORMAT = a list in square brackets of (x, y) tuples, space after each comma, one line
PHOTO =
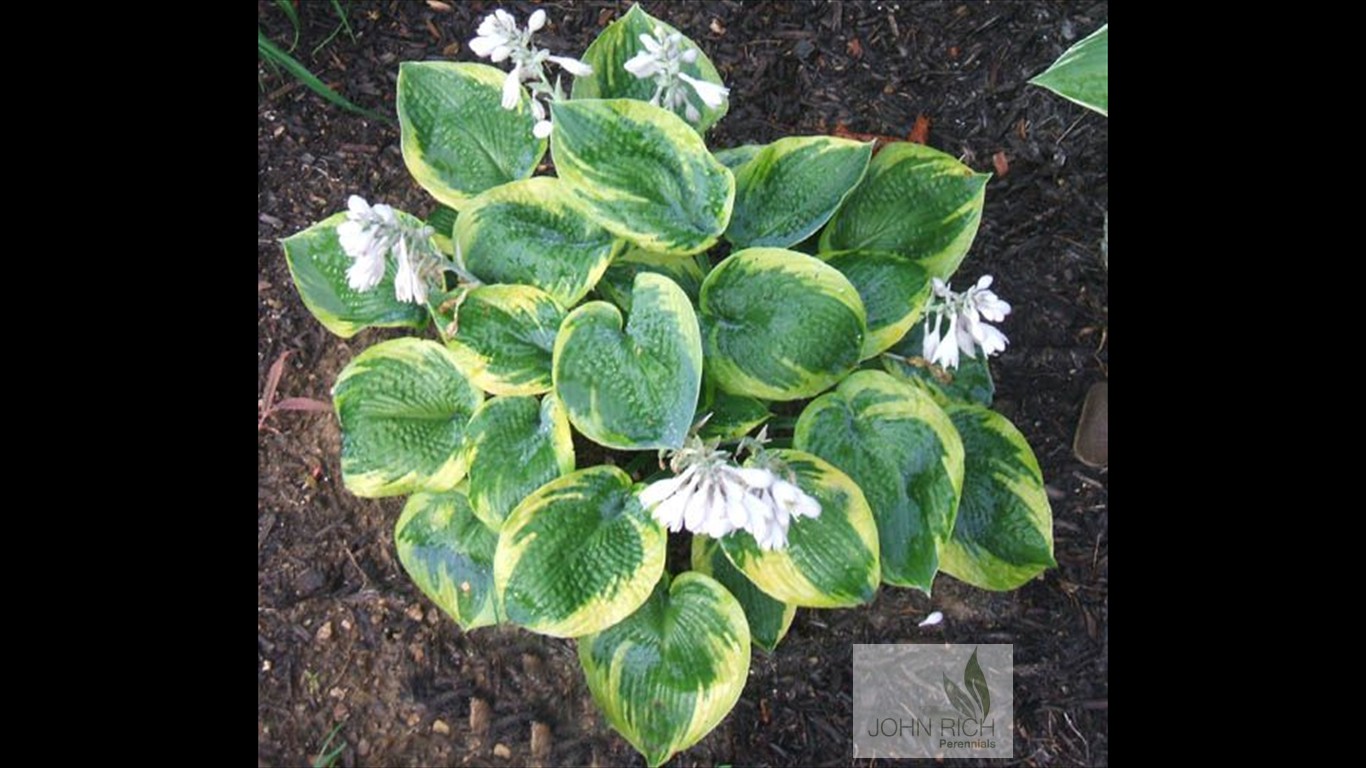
[(457, 139), (671, 671), (526, 232), (636, 388), (904, 453), (618, 43), (403, 406), (513, 446), (831, 561), (768, 619), (792, 187), (894, 291), (642, 173), (318, 265), (1003, 536), (504, 337), (915, 201), (729, 417), (448, 554), (578, 555), (1082, 73), (779, 325)]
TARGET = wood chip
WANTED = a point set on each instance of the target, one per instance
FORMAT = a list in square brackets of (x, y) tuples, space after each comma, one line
[(540, 745), (439, 726), (439, 7), (501, 750), (1001, 164)]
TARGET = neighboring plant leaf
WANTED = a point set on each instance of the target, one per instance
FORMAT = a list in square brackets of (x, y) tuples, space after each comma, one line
[(787, 191), (975, 681), (620, 277), (526, 232), (504, 337), (1082, 73), (513, 446), (633, 388), (915, 201), (642, 173), (273, 54), (735, 157), (403, 406), (894, 291), (959, 700), (779, 325), (1004, 533), (578, 555), (904, 453), (620, 41), (668, 674), (831, 561), (768, 619), (457, 139), (970, 382), (448, 553), (318, 265)]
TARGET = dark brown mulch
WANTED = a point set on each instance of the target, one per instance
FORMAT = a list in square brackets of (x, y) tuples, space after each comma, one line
[(344, 637)]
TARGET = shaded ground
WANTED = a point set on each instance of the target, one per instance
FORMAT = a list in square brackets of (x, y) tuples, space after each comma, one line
[(345, 638)]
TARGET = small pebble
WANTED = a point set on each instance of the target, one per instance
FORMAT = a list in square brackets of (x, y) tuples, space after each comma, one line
[(414, 612), (324, 632), (439, 726), (501, 750)]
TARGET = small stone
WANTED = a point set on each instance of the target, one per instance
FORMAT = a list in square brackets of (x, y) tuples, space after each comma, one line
[(337, 692), (413, 719), (324, 633), (439, 726), (414, 612), (265, 665), (501, 750), (1092, 442)]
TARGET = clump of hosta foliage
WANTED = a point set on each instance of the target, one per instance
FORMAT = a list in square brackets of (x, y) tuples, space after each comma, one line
[(598, 301)]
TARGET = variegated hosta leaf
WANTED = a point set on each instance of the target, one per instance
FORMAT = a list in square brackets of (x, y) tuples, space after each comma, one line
[(792, 187), (643, 173), (904, 453), (578, 555), (526, 232), (671, 671), (894, 291), (504, 337), (636, 388), (768, 619), (915, 201), (318, 265), (448, 553), (617, 44), (457, 139), (1082, 73), (779, 325), (970, 382), (831, 561), (1004, 533), (620, 278), (442, 222), (403, 406), (728, 416), (513, 446)]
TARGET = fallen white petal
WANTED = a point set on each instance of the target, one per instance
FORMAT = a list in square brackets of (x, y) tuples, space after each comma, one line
[(932, 619)]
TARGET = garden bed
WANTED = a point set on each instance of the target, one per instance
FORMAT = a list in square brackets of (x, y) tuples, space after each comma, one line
[(346, 640)]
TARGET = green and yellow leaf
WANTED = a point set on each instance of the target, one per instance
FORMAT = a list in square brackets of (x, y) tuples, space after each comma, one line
[(504, 338), (448, 553), (513, 446), (894, 291), (791, 188)]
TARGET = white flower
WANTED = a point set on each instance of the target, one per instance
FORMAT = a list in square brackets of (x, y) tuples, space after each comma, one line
[(967, 330), (500, 39), (662, 59), (715, 498), (371, 233)]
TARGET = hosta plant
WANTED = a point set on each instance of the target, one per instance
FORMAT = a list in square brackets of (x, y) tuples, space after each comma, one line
[(764, 337)]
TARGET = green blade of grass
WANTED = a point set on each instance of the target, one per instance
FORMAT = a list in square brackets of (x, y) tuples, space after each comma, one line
[(272, 53), (341, 14), (293, 14)]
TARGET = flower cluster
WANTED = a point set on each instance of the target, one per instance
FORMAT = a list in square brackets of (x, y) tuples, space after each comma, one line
[(712, 496), (967, 314), (500, 39), (370, 233), (663, 60)]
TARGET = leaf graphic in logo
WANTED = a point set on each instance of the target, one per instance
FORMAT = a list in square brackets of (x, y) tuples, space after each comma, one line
[(976, 683), (958, 699)]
